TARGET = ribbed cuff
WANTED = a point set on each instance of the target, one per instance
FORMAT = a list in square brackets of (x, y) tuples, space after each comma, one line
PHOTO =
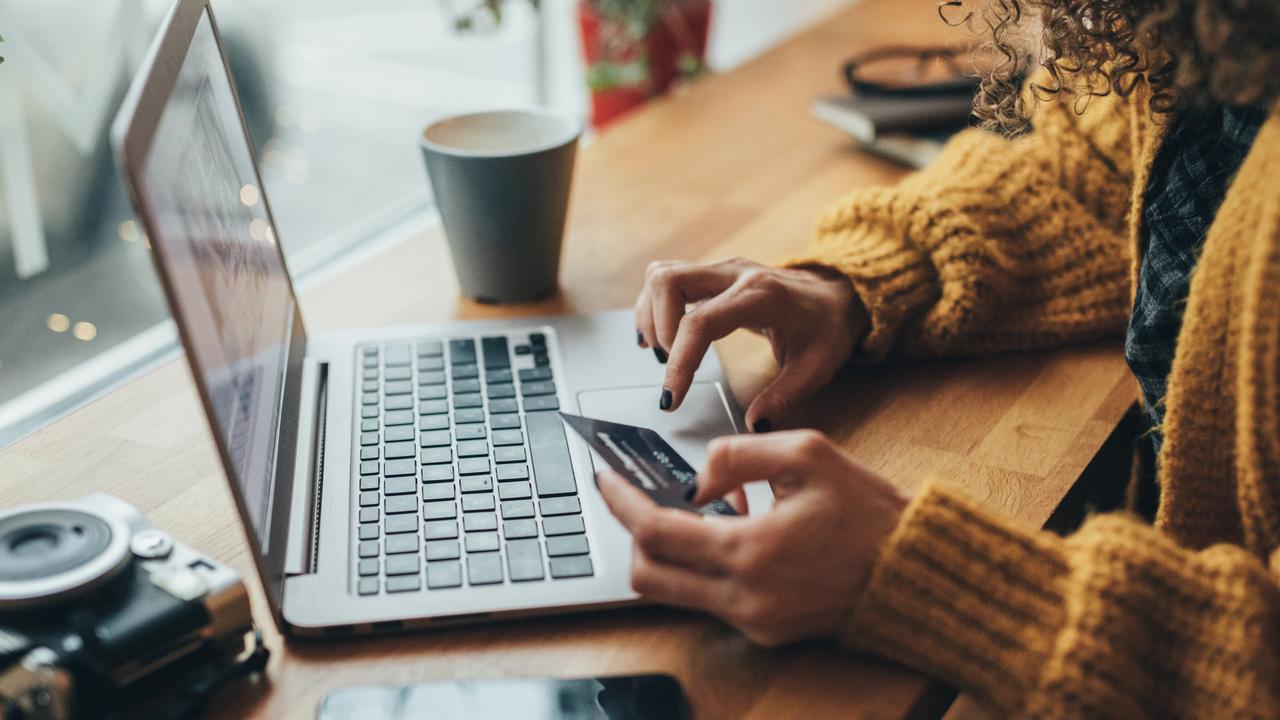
[(964, 597)]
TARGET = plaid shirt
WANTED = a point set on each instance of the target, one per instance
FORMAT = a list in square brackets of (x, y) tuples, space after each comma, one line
[(1189, 180)]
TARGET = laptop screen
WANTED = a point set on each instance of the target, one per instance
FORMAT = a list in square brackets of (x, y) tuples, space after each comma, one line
[(228, 285)]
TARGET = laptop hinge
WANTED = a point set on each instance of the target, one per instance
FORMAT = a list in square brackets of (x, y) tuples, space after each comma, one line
[(308, 480)]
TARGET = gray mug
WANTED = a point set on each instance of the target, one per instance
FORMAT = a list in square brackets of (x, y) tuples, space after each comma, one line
[(501, 182)]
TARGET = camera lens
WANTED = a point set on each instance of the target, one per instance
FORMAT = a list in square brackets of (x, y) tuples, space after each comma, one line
[(52, 551)]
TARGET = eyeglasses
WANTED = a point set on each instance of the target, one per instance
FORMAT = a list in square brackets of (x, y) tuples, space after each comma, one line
[(910, 72)]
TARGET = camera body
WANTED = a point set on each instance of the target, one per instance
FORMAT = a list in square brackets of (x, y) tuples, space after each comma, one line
[(99, 609)]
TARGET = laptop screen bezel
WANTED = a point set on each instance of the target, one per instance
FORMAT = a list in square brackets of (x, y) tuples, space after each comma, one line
[(133, 135)]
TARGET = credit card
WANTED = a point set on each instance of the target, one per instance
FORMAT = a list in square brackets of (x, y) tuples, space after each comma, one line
[(641, 456)]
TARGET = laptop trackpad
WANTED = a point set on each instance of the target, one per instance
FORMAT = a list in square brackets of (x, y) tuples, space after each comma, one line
[(704, 415)]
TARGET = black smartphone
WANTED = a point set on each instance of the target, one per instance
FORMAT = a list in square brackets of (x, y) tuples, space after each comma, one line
[(623, 697)]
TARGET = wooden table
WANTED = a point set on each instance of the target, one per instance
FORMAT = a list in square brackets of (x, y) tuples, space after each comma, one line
[(735, 166)]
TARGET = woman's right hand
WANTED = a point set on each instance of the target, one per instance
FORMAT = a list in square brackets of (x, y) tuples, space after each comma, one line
[(811, 317)]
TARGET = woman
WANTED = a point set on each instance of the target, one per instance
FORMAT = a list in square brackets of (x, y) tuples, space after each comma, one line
[(1142, 201)]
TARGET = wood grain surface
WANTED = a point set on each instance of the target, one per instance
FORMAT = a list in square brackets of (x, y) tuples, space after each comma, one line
[(733, 166)]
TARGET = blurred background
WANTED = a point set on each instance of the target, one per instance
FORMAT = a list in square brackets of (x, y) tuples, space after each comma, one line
[(336, 93)]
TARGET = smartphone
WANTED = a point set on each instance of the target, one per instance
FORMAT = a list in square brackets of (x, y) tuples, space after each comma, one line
[(624, 697)]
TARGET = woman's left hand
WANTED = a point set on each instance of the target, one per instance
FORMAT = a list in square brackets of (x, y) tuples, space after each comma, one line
[(787, 575)]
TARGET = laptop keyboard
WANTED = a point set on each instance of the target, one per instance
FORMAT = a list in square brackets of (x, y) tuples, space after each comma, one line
[(465, 477)]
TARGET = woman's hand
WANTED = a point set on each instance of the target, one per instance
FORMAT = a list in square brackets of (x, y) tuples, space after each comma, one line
[(791, 574), (812, 318)]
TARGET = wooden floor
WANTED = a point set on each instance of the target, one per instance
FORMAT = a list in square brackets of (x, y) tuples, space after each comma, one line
[(733, 167)]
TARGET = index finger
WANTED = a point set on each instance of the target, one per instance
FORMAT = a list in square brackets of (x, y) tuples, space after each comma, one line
[(710, 321)]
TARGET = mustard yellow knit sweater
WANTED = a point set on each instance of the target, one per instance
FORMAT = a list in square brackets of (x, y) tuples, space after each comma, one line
[(1015, 244)]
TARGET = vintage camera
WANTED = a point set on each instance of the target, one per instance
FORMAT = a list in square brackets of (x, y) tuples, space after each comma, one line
[(102, 614)]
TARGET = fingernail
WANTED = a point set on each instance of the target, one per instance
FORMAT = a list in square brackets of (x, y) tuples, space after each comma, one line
[(660, 354), (640, 338), (664, 402), (691, 493), (762, 426)]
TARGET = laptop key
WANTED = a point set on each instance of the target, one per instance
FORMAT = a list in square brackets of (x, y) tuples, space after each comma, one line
[(369, 499), (507, 437), (399, 387), (552, 468), (443, 550), (434, 377), (470, 385), (530, 389), (482, 542), (496, 356), (402, 543), (503, 405), (519, 529), (368, 453), (437, 491), (439, 510), (560, 506), (367, 586), (395, 468), (541, 359), (368, 549), (369, 531), (514, 509), (369, 411), (510, 472), (369, 398), (537, 339), (433, 392), (480, 522), (564, 525), (523, 349), (403, 485), (368, 482), (395, 451), (571, 567), (398, 402), (433, 422), (368, 567), (501, 391), (369, 467), (430, 348), (567, 545), (398, 504), (437, 455), (437, 473), (398, 417), (396, 355), (468, 415), (399, 433), (440, 530), (477, 483), (446, 574), (534, 374), (504, 422), (468, 400), (514, 491), (370, 425), (471, 431), (369, 350), (484, 569), (404, 583), (402, 564), (542, 402), (524, 560), (398, 373), (431, 363), (472, 448), (477, 503), (512, 454), (462, 351), (369, 386), (435, 438), (473, 466), (462, 372), (368, 514), (433, 407), (493, 377), (397, 524)]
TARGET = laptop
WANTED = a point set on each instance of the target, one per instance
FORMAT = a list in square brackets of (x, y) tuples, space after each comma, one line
[(386, 478)]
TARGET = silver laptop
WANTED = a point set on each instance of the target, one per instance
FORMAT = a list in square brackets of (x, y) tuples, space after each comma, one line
[(386, 478)]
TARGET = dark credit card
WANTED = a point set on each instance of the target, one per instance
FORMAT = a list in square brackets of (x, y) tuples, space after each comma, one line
[(643, 457)]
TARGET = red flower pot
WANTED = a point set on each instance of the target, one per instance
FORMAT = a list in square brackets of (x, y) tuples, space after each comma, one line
[(624, 70)]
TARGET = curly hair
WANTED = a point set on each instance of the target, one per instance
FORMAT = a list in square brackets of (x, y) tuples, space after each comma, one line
[(1189, 52)]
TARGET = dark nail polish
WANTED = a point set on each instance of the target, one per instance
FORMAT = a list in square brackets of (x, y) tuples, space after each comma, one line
[(664, 402), (640, 338), (762, 426), (690, 493), (660, 354)]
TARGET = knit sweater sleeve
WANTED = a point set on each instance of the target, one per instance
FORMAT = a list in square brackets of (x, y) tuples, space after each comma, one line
[(1114, 621), (1000, 244)]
